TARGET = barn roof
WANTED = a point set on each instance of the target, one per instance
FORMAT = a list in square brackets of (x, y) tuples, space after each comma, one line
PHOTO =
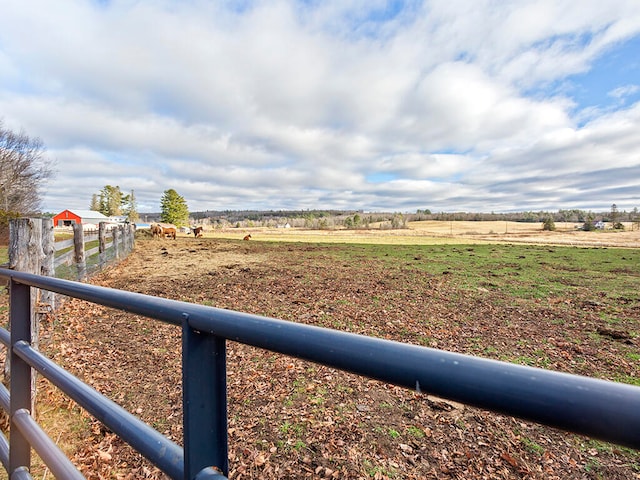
[(88, 214)]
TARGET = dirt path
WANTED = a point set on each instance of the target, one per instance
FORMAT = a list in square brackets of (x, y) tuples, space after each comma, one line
[(290, 419)]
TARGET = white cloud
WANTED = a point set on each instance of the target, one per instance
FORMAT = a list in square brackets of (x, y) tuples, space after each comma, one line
[(624, 91), (289, 104)]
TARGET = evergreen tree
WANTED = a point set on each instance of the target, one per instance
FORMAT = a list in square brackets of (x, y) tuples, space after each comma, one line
[(95, 203), (131, 208), (174, 208), (111, 201)]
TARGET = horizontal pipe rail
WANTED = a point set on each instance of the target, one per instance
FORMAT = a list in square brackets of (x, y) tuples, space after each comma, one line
[(51, 455), (4, 452), (601, 409), (4, 444), (154, 446), (4, 397)]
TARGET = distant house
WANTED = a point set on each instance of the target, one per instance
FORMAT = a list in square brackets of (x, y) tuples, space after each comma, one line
[(599, 225), (67, 218)]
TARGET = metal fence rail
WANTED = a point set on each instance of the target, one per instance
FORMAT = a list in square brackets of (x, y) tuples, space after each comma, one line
[(601, 409)]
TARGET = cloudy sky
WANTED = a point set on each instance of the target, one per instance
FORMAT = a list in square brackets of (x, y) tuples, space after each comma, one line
[(451, 105)]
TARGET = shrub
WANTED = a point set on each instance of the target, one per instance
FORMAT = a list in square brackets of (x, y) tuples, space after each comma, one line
[(549, 224)]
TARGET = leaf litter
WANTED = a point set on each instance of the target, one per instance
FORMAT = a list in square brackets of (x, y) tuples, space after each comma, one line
[(291, 419)]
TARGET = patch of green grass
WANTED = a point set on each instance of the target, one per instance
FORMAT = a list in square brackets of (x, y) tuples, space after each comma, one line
[(521, 271), (525, 360), (633, 356), (426, 341), (294, 429), (4, 254), (532, 446), (490, 350), (375, 470), (628, 379), (299, 445), (598, 446), (592, 467), (393, 433), (415, 431), (609, 319)]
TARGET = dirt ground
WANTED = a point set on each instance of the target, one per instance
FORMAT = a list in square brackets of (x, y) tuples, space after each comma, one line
[(290, 419)]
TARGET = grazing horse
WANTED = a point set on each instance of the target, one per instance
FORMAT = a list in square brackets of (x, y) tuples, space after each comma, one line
[(247, 237), (169, 232), (197, 231), (156, 230)]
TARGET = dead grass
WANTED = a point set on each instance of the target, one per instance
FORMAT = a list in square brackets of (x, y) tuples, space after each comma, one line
[(442, 232)]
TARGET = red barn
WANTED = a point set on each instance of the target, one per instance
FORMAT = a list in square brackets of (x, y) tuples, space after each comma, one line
[(66, 218)]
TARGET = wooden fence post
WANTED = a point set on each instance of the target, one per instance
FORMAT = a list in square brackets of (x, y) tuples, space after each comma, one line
[(102, 243), (26, 255), (125, 239), (47, 298), (78, 244), (116, 242), (128, 228)]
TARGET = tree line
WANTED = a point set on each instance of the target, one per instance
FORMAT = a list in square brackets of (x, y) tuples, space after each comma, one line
[(358, 219)]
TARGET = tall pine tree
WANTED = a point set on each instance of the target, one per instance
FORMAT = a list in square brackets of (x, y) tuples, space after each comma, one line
[(174, 208), (111, 201), (131, 208)]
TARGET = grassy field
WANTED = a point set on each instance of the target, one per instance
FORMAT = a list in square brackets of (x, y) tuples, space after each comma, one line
[(552, 307), (482, 288), (441, 232)]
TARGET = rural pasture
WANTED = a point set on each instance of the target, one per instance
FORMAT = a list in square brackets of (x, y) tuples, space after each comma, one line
[(539, 303), (444, 232)]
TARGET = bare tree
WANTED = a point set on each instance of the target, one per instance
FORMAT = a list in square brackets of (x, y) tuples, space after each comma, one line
[(24, 169)]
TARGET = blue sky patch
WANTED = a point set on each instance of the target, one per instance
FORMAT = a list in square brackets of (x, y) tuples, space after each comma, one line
[(615, 71), (381, 177)]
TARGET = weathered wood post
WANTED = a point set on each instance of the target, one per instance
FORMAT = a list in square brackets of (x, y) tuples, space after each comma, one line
[(26, 255), (78, 246), (47, 298), (116, 242), (125, 239), (102, 244), (131, 228)]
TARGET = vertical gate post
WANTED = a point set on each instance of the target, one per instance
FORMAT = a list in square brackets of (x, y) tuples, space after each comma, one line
[(78, 245), (26, 255), (20, 382), (204, 392)]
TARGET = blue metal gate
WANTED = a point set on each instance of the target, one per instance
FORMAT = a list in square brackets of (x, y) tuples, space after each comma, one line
[(600, 409)]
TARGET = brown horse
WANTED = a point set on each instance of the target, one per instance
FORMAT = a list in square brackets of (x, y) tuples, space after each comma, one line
[(169, 232), (197, 231), (247, 237), (156, 230)]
